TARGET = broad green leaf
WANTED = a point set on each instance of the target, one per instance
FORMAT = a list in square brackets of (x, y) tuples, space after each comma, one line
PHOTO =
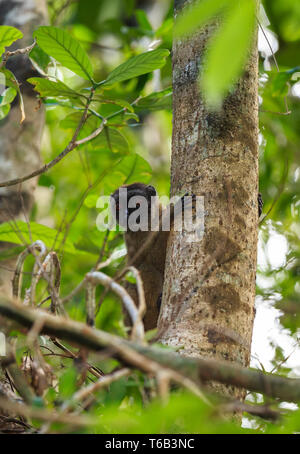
[(4, 111), (130, 169), (142, 20), (278, 82), (119, 102), (165, 30), (111, 139), (156, 101), (122, 118), (136, 66), (136, 168), (196, 15), (9, 253), (40, 57), (8, 96), (8, 35), (66, 50), (228, 52), (71, 122), (279, 86), (67, 382), (49, 88), (9, 233)]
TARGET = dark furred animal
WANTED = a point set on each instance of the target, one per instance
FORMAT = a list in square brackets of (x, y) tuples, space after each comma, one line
[(151, 264)]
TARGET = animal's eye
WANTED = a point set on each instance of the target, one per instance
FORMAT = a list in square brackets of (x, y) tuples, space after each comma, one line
[(138, 205)]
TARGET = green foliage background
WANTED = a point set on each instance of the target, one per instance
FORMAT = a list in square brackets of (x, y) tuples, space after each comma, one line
[(135, 146)]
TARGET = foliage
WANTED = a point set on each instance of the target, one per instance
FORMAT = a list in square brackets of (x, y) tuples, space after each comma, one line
[(237, 25), (106, 50)]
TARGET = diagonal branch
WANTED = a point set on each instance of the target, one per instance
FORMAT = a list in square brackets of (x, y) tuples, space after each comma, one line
[(151, 359), (74, 143)]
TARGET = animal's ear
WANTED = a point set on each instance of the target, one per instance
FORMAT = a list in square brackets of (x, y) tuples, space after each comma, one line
[(151, 190)]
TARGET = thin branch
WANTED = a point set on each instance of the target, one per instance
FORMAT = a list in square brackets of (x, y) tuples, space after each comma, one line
[(279, 192), (74, 143), (142, 302), (96, 277), (9, 53), (263, 411), (287, 110), (92, 369), (85, 392), (44, 415), (17, 278), (71, 145)]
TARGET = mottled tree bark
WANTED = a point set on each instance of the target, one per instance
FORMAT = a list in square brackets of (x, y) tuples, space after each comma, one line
[(20, 143), (209, 290)]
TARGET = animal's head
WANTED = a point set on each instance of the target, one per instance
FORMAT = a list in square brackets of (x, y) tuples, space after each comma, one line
[(131, 203)]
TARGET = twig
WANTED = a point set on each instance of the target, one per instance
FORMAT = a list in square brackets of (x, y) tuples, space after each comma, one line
[(142, 302), (90, 295), (96, 277), (17, 278), (45, 415), (17, 376), (287, 110), (101, 253), (263, 411), (71, 145), (92, 369), (9, 53), (106, 380), (279, 192)]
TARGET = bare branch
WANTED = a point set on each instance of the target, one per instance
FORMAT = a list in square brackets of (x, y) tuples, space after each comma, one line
[(96, 277), (71, 145), (151, 359), (9, 53)]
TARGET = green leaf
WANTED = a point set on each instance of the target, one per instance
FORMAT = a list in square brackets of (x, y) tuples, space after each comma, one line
[(4, 111), (11, 252), (71, 122), (9, 233), (227, 52), (40, 57), (66, 50), (122, 118), (12, 82), (278, 82), (119, 102), (111, 139), (136, 168), (67, 382), (156, 101), (8, 96), (196, 15), (8, 35), (136, 66), (142, 20), (130, 169), (49, 88)]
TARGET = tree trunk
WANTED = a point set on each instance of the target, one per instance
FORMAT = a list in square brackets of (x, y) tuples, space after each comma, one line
[(20, 143), (209, 289)]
